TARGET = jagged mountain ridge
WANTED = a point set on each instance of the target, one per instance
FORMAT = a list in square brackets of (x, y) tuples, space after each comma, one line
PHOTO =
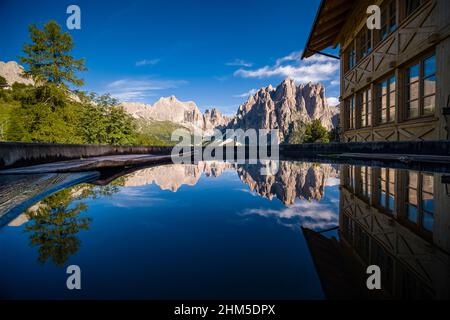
[(186, 114), (292, 181), (281, 108), (284, 107)]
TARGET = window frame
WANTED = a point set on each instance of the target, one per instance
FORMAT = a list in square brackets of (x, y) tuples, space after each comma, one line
[(364, 44), (420, 211), (391, 107), (421, 97), (350, 106), (364, 107), (389, 12), (365, 188), (388, 192), (350, 57)]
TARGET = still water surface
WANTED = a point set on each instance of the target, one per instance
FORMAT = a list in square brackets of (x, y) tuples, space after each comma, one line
[(217, 230)]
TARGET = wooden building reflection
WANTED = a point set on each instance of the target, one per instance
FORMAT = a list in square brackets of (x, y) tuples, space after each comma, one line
[(396, 219)]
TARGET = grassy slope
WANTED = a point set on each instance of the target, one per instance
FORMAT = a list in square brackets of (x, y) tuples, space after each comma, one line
[(157, 132), (6, 109)]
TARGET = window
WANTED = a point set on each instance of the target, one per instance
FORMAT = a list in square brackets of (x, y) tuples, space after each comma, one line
[(386, 100), (412, 5), (351, 120), (366, 184), (350, 57), (364, 43), (429, 85), (351, 177), (386, 191), (420, 200), (421, 88), (388, 18), (365, 107)]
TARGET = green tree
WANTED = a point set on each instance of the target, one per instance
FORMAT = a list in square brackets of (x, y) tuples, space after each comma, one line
[(3, 82), (297, 135), (103, 121), (48, 56), (55, 225), (335, 134), (316, 133)]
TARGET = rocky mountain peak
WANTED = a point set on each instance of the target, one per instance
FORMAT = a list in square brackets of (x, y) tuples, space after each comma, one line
[(284, 107), (13, 72), (186, 114)]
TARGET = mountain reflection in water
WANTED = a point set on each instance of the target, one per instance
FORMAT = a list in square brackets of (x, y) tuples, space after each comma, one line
[(350, 217)]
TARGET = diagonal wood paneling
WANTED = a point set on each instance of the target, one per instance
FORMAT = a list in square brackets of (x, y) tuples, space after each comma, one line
[(418, 29)]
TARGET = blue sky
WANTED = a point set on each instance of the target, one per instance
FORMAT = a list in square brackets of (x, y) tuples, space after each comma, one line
[(211, 52)]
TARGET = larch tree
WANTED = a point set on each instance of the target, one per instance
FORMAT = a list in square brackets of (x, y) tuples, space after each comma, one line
[(48, 56)]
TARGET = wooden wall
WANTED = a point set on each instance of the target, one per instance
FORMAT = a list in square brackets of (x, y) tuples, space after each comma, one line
[(426, 31)]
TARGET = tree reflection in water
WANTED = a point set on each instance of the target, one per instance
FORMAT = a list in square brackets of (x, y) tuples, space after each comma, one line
[(56, 221)]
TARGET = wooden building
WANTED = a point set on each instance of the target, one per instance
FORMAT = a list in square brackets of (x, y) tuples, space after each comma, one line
[(395, 81), (399, 221), (395, 219)]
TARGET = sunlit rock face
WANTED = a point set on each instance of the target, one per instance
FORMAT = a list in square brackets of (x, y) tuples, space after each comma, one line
[(292, 181), (285, 106), (13, 72), (172, 177), (213, 119), (186, 114)]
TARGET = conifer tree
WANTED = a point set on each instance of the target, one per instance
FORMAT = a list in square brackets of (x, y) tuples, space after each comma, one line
[(48, 56)]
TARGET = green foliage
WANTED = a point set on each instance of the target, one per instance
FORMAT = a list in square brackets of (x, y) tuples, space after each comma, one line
[(48, 57), (335, 135), (3, 83), (50, 112), (157, 133), (312, 132), (316, 133), (104, 122), (297, 135), (55, 224), (43, 114)]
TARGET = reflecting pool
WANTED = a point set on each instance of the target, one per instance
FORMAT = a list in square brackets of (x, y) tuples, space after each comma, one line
[(216, 230)]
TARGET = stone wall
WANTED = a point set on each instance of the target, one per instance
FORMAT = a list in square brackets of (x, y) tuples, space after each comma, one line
[(17, 154), (432, 148)]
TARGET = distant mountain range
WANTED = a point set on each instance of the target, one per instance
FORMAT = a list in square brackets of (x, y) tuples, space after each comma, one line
[(283, 108), (186, 114), (292, 181)]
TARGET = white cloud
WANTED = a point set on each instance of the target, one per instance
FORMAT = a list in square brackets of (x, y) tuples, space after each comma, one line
[(315, 69), (333, 101), (146, 62), (239, 63), (246, 94), (335, 82), (139, 89), (333, 182), (312, 215)]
